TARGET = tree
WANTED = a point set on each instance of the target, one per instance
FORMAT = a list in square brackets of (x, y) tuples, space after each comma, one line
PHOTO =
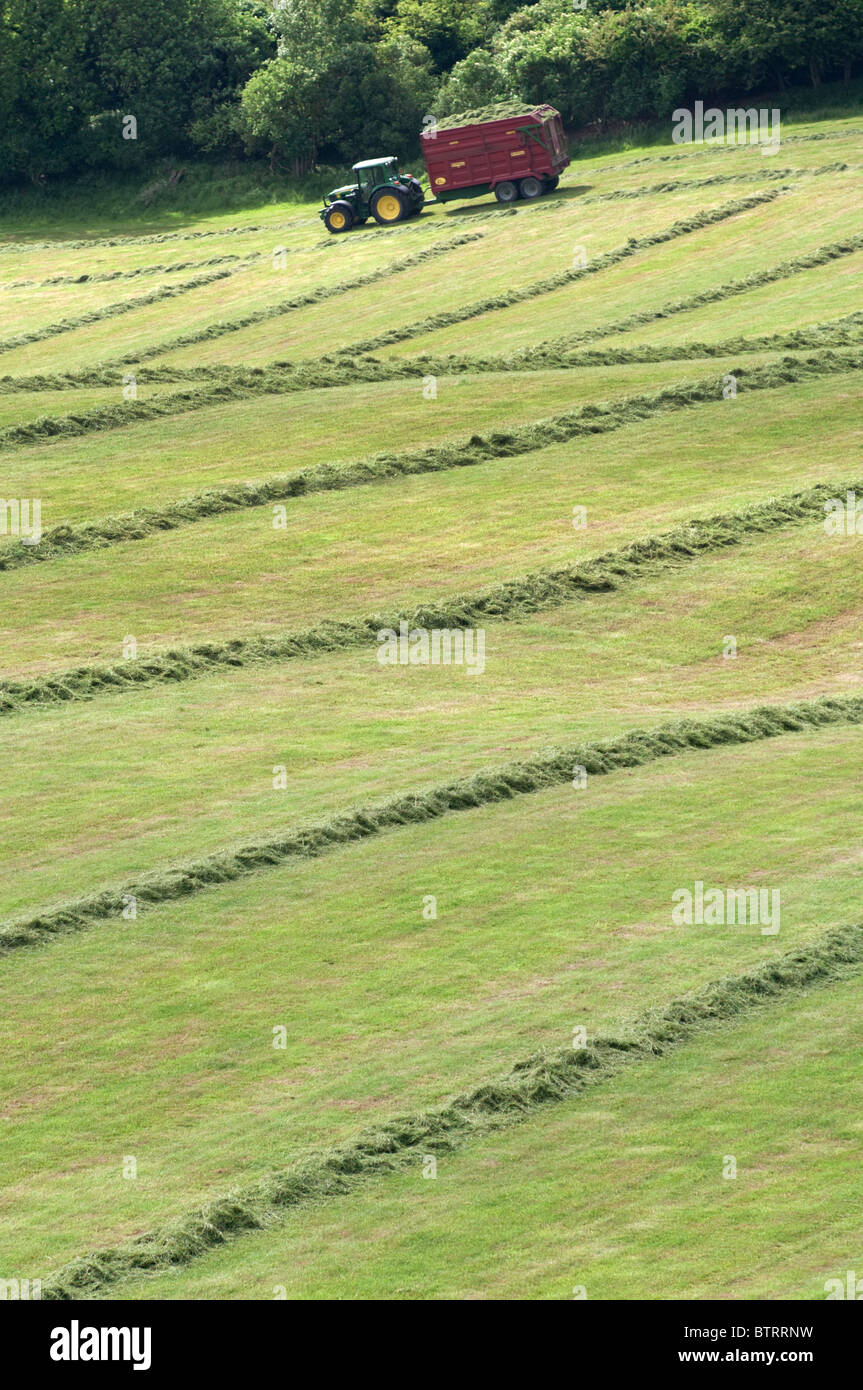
[(44, 93), (449, 29), (166, 64), (476, 81), (332, 93), (775, 38)]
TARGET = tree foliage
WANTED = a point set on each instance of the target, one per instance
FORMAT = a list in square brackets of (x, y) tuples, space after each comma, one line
[(308, 81)]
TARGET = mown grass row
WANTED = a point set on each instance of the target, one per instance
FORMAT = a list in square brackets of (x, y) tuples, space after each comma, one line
[(798, 265), (331, 370), (302, 301), (720, 148), (709, 181), (632, 247), (104, 277), (111, 311), (557, 353), (537, 1082), (823, 255), (600, 418), (150, 238), (310, 841)]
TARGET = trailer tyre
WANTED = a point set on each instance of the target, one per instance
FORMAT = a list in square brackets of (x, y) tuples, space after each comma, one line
[(506, 192), (551, 182), (390, 205), (531, 187), (339, 217)]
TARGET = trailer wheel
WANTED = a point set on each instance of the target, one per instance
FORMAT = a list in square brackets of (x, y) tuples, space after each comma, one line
[(551, 182), (391, 205), (530, 187), (506, 192), (339, 217)]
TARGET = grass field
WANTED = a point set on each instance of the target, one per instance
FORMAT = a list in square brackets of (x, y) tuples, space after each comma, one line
[(279, 923)]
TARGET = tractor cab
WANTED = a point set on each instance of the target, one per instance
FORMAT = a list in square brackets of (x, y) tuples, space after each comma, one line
[(371, 173), (380, 192)]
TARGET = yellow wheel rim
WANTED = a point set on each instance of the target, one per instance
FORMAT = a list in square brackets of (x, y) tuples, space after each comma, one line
[(337, 220), (389, 207)]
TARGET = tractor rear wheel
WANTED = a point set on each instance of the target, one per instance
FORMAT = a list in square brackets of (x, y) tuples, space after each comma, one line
[(506, 192), (531, 187), (388, 206), (339, 217), (415, 194)]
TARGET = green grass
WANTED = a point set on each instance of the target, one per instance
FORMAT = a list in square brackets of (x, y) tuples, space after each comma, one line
[(587, 670), (619, 1193), (172, 1015), (152, 1037), (83, 480), (543, 239), (349, 554)]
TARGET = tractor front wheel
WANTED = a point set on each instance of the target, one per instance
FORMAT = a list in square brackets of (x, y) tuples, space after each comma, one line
[(531, 187), (388, 206), (506, 192), (339, 217)]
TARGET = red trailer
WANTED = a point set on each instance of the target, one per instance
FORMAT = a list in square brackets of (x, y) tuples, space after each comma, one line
[(512, 156)]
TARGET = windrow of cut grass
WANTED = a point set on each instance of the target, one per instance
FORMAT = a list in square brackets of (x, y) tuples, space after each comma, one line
[(483, 789), (331, 370), (621, 1193), (99, 260), (134, 273), (798, 265), (121, 306), (77, 400), (594, 419), (643, 655), (533, 289), (651, 190), (59, 245), (844, 331), (169, 1017), (815, 295), (538, 1081), (696, 151)]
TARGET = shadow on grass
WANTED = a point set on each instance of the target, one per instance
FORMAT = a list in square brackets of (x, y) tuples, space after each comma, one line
[(489, 204)]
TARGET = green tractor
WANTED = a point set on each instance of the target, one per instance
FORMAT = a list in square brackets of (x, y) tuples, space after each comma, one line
[(380, 192)]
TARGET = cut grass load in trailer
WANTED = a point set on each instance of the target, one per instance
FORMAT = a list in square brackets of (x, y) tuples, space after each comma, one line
[(510, 152)]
